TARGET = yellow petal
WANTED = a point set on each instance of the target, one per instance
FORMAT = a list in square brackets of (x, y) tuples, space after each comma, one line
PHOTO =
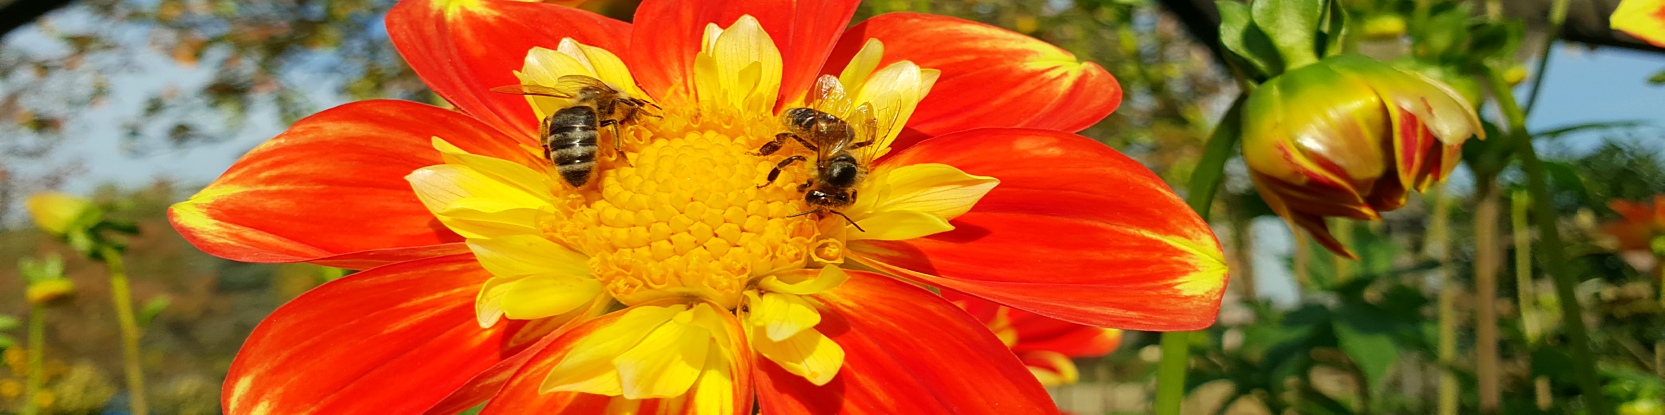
[(55, 212), (781, 315), (714, 391), (938, 189), (667, 362), (898, 225), (893, 92), (863, 64), (589, 367), (510, 173), (809, 354), (441, 186), (540, 296), (738, 67), (828, 278), (520, 255)]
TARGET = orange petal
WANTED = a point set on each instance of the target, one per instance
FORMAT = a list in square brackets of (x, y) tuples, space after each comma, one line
[(991, 77), (370, 343), (907, 351), (670, 31), (521, 394), (1075, 231), (538, 333), (463, 48), (1038, 332), (305, 194)]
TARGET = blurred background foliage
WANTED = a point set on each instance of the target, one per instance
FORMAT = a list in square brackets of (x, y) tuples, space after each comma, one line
[(1357, 337)]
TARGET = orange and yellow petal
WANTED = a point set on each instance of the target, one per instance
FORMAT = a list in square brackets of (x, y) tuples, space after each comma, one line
[(669, 34), (368, 343), (1644, 19), (1075, 231), (990, 77), (908, 351), (1051, 368), (305, 194), (638, 344), (463, 48)]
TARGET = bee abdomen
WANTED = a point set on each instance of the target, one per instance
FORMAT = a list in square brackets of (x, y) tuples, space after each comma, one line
[(571, 144)]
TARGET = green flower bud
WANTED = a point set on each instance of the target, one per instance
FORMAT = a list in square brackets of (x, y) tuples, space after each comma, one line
[(1351, 137)]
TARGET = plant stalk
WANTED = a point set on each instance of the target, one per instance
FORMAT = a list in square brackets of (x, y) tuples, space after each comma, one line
[(36, 359), (1486, 264), (1552, 255), (1205, 182), (1439, 248), (123, 298), (1525, 288)]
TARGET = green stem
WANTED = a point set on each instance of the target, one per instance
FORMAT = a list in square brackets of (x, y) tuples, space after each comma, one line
[(1486, 264), (1552, 257), (1557, 16), (1519, 203), (123, 298), (37, 359), (1439, 248), (1530, 325), (1205, 182)]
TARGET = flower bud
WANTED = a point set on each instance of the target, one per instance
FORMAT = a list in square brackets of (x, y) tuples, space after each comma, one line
[(44, 280), (1351, 137), (59, 213)]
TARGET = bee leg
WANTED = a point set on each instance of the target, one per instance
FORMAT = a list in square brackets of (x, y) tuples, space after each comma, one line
[(806, 143), (774, 145), (775, 174), (806, 185), (854, 146), (618, 141)]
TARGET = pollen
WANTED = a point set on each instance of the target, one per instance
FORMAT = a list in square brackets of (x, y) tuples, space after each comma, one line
[(683, 215)]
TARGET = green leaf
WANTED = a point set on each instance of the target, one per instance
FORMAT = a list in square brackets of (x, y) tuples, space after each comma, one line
[(1558, 132), (1658, 78), (6, 342), (1494, 40), (152, 308), (1293, 27), (1253, 51), (1335, 30), (1564, 176), (1317, 403), (1441, 36), (9, 322), (1366, 335)]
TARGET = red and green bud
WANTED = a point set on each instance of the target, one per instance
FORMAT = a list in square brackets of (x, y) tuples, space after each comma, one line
[(1351, 137)]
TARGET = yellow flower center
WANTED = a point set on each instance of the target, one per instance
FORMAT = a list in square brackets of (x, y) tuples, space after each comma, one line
[(685, 217)]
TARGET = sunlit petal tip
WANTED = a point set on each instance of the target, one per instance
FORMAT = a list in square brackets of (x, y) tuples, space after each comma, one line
[(1644, 19), (989, 77), (1139, 260), (303, 195)]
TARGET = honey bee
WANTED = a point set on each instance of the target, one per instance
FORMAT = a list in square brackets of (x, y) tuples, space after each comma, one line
[(570, 134), (839, 167)]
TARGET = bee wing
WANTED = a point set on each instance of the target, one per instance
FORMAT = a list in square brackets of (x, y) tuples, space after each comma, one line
[(828, 96), (869, 131), (575, 83), (538, 90)]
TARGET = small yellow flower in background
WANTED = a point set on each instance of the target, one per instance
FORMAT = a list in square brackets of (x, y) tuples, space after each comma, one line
[(45, 281), (59, 213)]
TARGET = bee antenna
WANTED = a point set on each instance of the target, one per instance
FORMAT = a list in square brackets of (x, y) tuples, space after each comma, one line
[(852, 222)]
